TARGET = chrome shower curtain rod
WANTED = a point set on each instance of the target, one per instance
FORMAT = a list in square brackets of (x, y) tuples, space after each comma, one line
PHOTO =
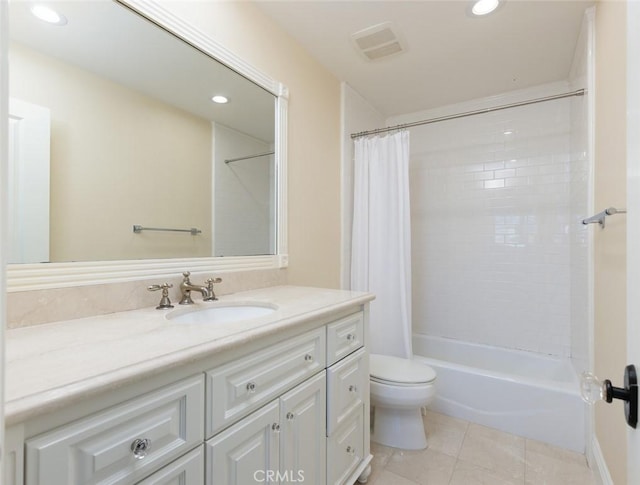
[(579, 92)]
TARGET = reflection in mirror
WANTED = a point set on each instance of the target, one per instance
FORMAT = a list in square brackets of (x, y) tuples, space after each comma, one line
[(120, 130)]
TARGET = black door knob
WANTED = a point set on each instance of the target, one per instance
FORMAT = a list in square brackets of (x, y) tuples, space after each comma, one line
[(592, 389)]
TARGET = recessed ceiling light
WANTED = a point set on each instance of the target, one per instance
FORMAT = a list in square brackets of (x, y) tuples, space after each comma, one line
[(508, 132), (220, 99), (49, 15), (483, 7)]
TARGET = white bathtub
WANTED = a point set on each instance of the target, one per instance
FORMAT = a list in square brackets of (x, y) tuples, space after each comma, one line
[(523, 393)]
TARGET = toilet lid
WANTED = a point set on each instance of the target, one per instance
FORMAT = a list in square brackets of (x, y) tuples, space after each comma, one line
[(396, 369)]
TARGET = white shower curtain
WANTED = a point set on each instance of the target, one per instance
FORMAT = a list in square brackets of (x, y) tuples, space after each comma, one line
[(381, 239)]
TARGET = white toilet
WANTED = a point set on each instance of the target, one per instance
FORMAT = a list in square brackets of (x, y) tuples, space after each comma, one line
[(400, 388)]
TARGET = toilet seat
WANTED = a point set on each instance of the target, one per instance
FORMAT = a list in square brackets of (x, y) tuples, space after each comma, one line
[(387, 369), (398, 384)]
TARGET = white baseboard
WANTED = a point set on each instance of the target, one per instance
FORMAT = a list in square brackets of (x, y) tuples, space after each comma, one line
[(598, 464)]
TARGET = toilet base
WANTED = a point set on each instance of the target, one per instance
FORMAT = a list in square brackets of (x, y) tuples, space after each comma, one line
[(399, 428)]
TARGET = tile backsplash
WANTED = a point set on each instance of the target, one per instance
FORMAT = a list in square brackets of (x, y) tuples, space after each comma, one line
[(26, 308)]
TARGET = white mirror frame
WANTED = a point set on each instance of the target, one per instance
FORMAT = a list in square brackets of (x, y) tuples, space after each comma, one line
[(25, 277)]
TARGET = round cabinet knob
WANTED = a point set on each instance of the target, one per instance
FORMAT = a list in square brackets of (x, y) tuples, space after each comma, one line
[(351, 450), (275, 427), (353, 388), (290, 416), (251, 387), (140, 448), (351, 337), (308, 357)]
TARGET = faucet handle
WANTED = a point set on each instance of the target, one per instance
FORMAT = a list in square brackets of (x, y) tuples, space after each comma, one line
[(165, 302), (186, 275), (212, 296), (164, 287)]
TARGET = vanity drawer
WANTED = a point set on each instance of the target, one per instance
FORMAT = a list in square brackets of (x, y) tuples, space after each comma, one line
[(100, 449), (344, 336), (345, 449), (242, 386), (346, 388)]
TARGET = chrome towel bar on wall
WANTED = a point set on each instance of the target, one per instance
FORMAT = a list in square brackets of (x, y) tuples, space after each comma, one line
[(600, 217), (138, 229)]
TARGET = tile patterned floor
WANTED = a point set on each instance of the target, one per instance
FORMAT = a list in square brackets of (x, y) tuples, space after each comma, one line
[(463, 453)]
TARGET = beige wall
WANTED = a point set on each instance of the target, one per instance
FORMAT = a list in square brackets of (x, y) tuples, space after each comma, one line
[(115, 163), (314, 130), (609, 244)]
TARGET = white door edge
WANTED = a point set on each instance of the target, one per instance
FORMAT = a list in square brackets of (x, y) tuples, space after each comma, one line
[(633, 218)]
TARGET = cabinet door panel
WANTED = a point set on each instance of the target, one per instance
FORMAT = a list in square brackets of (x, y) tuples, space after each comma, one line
[(345, 448), (247, 452), (347, 385), (303, 447)]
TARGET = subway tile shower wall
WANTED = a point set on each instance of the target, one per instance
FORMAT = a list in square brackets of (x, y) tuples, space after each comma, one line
[(491, 210)]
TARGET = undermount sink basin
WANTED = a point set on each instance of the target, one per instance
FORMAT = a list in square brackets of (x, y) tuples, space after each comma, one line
[(221, 314)]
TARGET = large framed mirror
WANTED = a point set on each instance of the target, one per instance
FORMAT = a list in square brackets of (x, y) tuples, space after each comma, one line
[(121, 162)]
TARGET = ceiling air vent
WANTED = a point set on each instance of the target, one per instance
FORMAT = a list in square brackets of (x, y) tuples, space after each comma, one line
[(378, 41)]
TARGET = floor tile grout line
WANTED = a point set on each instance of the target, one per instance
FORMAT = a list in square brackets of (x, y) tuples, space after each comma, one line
[(455, 465), (453, 472), (524, 481)]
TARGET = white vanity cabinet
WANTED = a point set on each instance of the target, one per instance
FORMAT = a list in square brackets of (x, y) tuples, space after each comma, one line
[(292, 407), (243, 385), (347, 400), (283, 441)]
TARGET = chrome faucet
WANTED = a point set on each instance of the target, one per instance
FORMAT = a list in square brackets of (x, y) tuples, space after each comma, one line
[(186, 287)]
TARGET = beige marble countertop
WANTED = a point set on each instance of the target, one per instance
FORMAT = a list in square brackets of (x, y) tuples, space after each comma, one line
[(51, 365)]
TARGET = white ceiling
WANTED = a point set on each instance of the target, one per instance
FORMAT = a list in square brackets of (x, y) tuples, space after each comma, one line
[(452, 56)]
